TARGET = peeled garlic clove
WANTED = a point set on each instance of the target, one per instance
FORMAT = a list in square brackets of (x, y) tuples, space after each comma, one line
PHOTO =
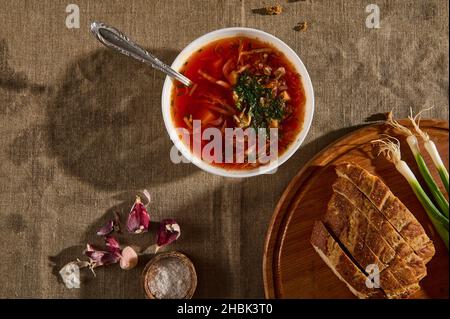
[(129, 258)]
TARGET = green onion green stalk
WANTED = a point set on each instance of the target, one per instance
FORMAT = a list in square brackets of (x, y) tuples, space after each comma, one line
[(390, 147), (413, 143), (432, 185), (439, 222)]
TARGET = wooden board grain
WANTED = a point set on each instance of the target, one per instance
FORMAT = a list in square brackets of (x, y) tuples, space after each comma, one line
[(291, 267)]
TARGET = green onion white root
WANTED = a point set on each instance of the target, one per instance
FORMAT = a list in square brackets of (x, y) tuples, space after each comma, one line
[(390, 148), (430, 147), (413, 144)]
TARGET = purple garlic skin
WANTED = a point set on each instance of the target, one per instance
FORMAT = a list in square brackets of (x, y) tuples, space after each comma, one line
[(138, 219), (169, 231), (110, 226), (106, 229), (100, 257), (112, 244)]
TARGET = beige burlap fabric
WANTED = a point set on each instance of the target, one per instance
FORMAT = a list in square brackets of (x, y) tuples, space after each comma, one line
[(81, 128)]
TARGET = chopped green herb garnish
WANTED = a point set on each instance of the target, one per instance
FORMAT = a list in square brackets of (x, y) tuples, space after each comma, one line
[(258, 102)]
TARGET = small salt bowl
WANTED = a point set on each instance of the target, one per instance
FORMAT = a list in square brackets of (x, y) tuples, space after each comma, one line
[(169, 275)]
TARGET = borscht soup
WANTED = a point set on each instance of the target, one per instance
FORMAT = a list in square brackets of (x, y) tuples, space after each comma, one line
[(241, 85)]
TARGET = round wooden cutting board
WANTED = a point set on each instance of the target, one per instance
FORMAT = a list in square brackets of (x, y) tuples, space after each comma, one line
[(292, 268)]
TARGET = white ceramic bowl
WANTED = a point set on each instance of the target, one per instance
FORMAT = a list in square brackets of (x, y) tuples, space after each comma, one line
[(227, 33)]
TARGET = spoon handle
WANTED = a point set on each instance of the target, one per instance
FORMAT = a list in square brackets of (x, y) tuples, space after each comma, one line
[(114, 39)]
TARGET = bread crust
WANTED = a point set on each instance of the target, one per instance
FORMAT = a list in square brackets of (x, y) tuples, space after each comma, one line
[(367, 246), (341, 264), (391, 207), (403, 250), (365, 225)]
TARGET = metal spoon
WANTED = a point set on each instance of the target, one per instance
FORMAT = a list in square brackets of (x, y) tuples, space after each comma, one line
[(114, 39)]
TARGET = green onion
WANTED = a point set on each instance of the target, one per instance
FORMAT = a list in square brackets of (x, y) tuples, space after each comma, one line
[(431, 148), (440, 224), (390, 147), (413, 143), (434, 188)]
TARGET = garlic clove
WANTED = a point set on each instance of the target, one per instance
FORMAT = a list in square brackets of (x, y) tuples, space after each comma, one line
[(106, 229), (169, 231), (138, 219), (129, 258)]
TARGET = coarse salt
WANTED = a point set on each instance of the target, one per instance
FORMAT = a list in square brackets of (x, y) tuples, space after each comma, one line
[(172, 279)]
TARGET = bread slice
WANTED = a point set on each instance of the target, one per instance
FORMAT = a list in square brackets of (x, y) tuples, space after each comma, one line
[(341, 264), (352, 230), (391, 207), (367, 246), (403, 251)]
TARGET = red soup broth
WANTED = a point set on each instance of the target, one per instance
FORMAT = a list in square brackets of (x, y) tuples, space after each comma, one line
[(188, 104)]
